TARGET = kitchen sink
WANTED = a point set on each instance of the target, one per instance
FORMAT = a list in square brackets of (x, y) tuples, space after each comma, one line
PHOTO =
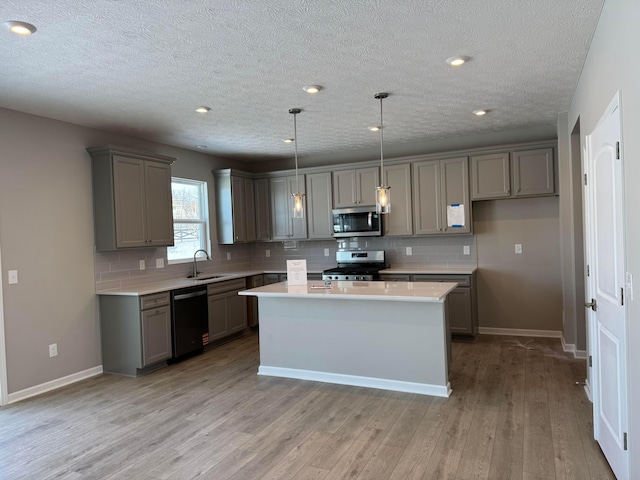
[(208, 277)]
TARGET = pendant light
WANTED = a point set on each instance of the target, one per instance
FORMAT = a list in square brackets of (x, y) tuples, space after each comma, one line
[(383, 193), (297, 199)]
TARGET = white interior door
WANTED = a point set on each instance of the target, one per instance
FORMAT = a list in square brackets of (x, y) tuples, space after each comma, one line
[(606, 287)]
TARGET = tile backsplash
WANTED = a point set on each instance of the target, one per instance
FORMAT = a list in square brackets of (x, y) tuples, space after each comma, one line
[(121, 269)]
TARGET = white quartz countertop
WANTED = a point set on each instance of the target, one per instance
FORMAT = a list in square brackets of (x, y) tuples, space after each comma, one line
[(431, 270), (344, 290), (174, 284)]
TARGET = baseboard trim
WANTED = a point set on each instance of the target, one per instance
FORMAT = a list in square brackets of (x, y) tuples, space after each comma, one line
[(357, 381), (571, 348), (587, 389), (517, 332), (54, 384)]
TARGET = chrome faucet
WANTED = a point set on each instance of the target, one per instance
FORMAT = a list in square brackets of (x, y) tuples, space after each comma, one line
[(195, 268)]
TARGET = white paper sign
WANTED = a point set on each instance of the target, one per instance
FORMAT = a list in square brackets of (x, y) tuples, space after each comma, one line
[(297, 272), (455, 215)]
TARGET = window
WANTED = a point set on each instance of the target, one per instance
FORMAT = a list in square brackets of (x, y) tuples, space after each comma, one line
[(190, 218)]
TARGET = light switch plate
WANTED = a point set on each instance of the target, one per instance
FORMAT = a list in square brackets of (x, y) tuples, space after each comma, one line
[(518, 248), (53, 350), (159, 262), (409, 251), (142, 265), (228, 255), (326, 252), (267, 253), (466, 250), (13, 277)]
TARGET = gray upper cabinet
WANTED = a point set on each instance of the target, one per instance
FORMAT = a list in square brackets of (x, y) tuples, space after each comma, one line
[(519, 174), (131, 198), (437, 186), (490, 176), (235, 207), (400, 220), (262, 210), (319, 220), (283, 225), (532, 172), (355, 187)]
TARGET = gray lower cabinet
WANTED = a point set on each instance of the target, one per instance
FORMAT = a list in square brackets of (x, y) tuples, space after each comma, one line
[(462, 302), (252, 302), (227, 309), (395, 277), (135, 332)]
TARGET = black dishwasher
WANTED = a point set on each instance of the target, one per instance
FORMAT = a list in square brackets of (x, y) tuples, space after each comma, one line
[(189, 321)]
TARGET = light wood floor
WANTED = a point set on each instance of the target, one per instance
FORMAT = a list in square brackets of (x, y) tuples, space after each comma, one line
[(515, 413)]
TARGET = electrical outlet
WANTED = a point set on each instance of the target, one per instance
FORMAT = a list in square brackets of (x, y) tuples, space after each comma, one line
[(228, 255), (159, 262), (326, 252), (518, 248), (466, 250), (267, 253), (13, 277), (53, 350), (142, 266), (409, 251)]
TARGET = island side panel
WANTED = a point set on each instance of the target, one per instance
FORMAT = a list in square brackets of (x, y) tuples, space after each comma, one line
[(390, 340)]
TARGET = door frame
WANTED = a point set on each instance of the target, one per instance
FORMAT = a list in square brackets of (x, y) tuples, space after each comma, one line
[(615, 103), (4, 394)]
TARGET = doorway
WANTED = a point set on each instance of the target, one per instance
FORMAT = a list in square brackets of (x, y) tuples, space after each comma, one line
[(607, 318)]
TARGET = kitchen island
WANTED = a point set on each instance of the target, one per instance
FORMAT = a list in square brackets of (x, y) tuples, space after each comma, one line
[(387, 335)]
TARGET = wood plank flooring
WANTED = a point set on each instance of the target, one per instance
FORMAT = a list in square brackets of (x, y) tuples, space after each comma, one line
[(515, 413)]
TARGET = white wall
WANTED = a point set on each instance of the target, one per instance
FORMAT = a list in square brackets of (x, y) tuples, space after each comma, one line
[(612, 65), (46, 233)]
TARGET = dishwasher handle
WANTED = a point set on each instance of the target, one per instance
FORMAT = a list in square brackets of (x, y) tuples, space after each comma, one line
[(183, 296)]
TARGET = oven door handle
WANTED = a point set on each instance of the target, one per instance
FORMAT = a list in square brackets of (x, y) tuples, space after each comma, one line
[(369, 219)]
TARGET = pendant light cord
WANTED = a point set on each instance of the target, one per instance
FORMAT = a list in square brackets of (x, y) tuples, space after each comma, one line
[(295, 141), (381, 142)]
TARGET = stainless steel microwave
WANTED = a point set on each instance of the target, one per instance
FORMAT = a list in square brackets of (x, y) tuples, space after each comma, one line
[(356, 222)]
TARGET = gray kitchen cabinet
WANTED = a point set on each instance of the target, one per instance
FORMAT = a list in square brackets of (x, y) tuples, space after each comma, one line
[(319, 205), (235, 207), (437, 186), (227, 309), (283, 225), (262, 210), (355, 187), (395, 277), (252, 302), (135, 332), (518, 174), (462, 302), (399, 221), (131, 198)]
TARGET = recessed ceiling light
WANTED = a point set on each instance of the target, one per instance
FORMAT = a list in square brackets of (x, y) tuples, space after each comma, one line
[(201, 147), (375, 128), (20, 28), (202, 109), (480, 112), (312, 88), (289, 140), (458, 60)]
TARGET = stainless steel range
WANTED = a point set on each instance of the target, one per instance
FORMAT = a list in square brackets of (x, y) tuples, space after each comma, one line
[(356, 265)]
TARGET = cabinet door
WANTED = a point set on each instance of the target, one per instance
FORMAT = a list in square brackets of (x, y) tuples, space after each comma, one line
[(367, 179), (270, 278), (158, 203), (250, 210), (129, 202), (319, 219), (490, 177), (532, 172), (239, 215), (156, 335), (280, 205), (344, 188), (400, 220), (217, 307), (427, 209), (252, 302), (460, 317), (262, 211), (298, 225), (236, 312), (454, 174)]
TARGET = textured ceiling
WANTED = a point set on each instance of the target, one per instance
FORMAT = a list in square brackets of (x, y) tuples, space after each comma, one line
[(142, 68)]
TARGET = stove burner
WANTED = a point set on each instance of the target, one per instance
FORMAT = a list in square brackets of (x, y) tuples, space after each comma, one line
[(359, 265)]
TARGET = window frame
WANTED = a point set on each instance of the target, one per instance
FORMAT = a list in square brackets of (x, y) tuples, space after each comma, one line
[(204, 218)]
